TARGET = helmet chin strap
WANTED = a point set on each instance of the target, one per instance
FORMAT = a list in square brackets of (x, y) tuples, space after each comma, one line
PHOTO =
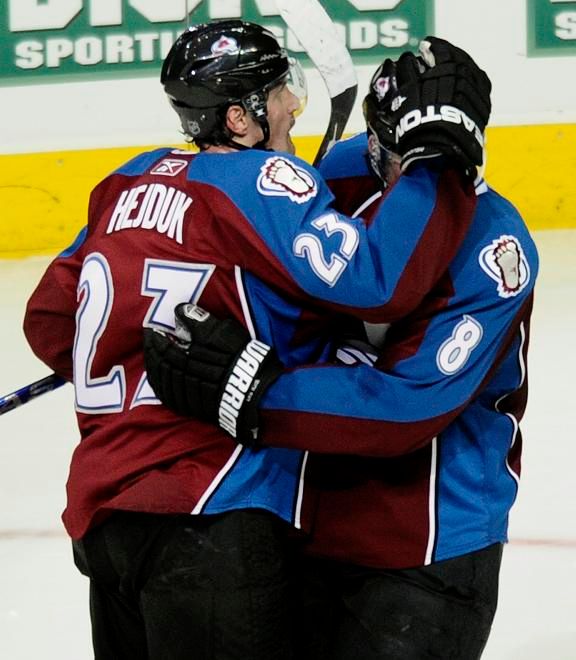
[(263, 121), (231, 142), (262, 144), (255, 105)]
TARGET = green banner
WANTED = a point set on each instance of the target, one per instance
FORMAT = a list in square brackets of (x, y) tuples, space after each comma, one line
[(551, 27), (60, 40)]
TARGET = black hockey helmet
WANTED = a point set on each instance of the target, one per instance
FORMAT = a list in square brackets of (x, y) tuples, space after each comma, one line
[(214, 65), (377, 108)]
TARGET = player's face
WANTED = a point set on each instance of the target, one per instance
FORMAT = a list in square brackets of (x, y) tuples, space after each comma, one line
[(282, 106)]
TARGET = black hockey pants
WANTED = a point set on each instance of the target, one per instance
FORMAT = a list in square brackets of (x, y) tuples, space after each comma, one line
[(442, 611), (179, 587)]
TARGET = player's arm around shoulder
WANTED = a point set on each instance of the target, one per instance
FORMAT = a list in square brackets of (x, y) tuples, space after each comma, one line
[(282, 204)]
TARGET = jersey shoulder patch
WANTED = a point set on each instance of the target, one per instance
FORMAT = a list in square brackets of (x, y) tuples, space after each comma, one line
[(504, 261), (281, 177)]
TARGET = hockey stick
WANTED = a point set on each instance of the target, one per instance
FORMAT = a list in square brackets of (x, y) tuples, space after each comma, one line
[(29, 392), (317, 33)]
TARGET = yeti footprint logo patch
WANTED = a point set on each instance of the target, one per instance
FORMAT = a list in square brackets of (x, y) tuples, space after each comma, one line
[(504, 261), (280, 177)]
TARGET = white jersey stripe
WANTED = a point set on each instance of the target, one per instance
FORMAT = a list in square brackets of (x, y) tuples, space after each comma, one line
[(244, 301), (217, 480), (298, 508), (367, 203), (511, 417), (432, 503)]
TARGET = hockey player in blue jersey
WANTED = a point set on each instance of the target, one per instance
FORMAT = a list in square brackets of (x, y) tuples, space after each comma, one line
[(404, 558)]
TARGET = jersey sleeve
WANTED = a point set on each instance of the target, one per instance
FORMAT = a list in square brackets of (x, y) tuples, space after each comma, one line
[(50, 317), (467, 344), (378, 270), (365, 410)]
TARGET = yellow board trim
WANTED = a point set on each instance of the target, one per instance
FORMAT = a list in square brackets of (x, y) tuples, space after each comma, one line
[(44, 196)]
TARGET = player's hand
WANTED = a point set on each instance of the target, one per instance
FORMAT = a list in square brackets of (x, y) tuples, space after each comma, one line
[(211, 370), (443, 105)]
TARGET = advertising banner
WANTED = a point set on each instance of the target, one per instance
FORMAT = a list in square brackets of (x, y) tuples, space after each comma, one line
[(60, 40), (551, 27)]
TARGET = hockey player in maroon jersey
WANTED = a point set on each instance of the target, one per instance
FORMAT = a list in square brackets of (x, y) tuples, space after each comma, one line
[(242, 231), (404, 558)]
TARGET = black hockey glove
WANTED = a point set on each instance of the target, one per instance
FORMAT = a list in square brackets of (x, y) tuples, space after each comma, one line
[(211, 370), (443, 105)]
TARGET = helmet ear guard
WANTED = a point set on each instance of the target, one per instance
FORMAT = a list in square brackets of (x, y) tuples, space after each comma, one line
[(215, 65)]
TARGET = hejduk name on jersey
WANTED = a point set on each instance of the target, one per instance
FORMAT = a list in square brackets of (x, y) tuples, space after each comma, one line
[(151, 206), (446, 113), (241, 384)]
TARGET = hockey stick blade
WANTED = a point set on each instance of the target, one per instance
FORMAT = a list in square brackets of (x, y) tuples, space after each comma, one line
[(29, 392), (314, 29)]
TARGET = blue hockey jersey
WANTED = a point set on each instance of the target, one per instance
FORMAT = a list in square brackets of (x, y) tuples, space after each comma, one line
[(430, 436)]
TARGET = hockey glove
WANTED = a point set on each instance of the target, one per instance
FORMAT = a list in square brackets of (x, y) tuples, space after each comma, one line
[(443, 105), (211, 370)]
